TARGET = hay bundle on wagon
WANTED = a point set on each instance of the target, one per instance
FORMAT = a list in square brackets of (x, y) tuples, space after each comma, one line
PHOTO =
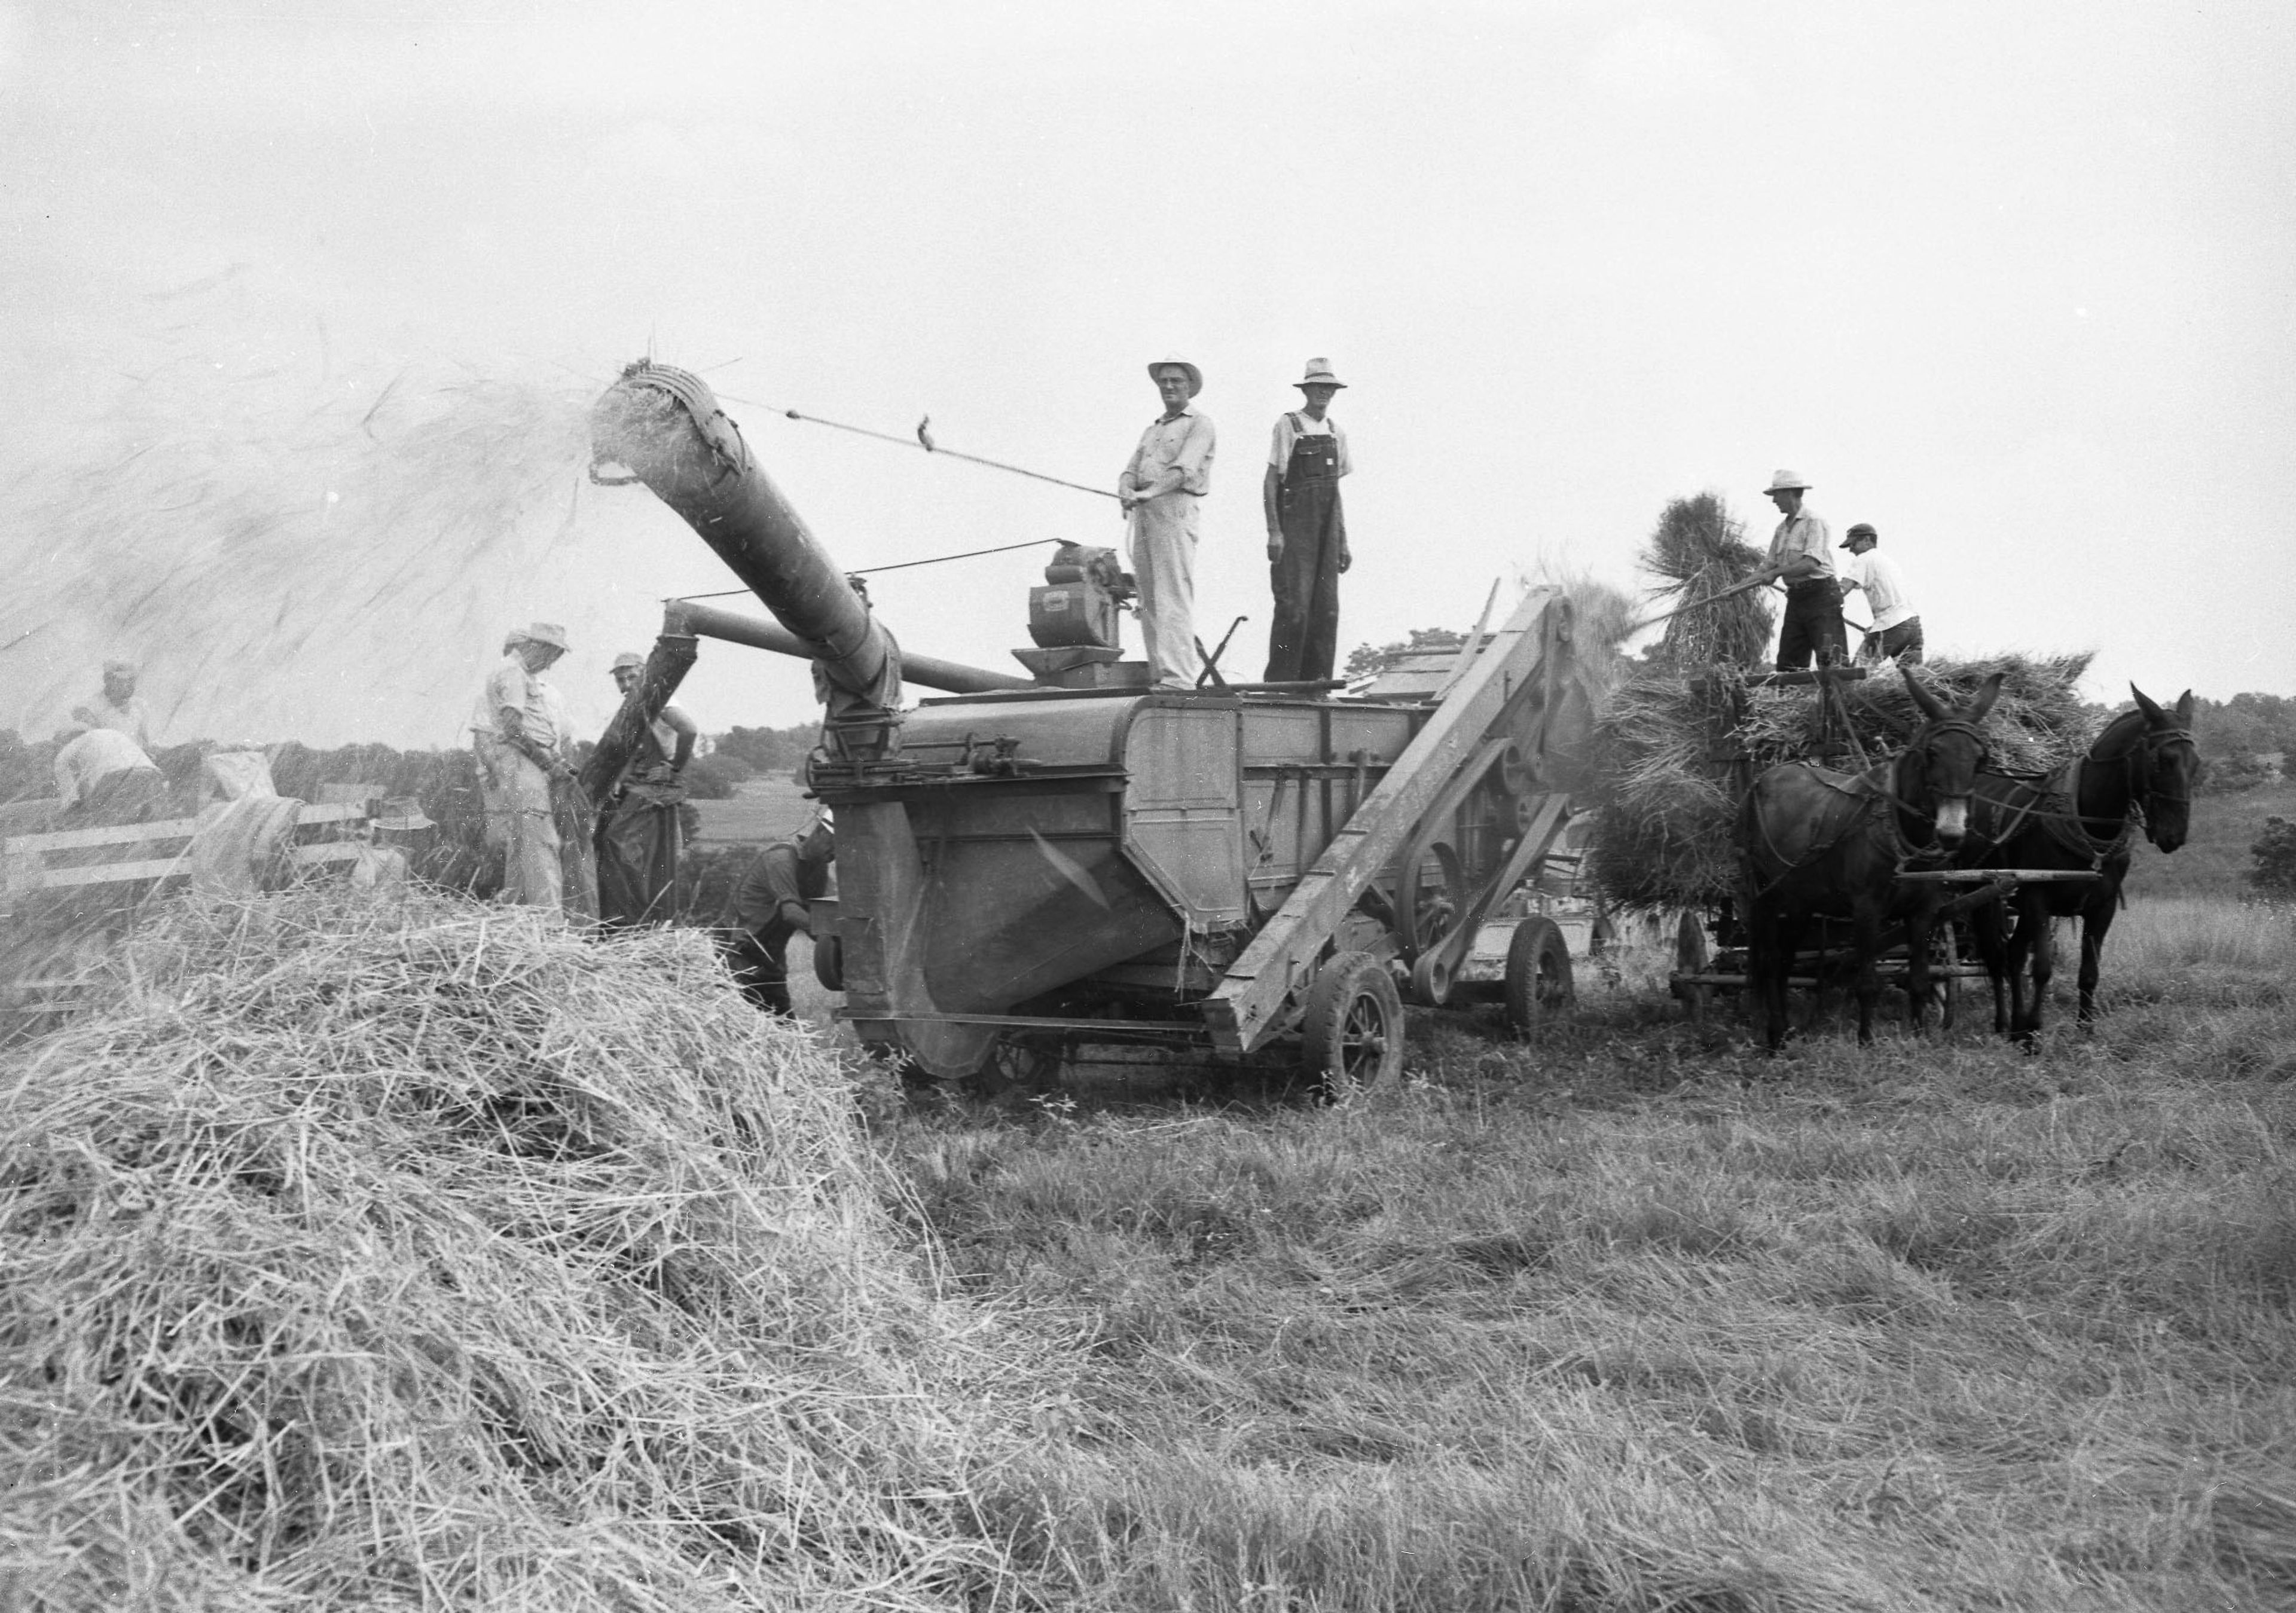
[(1685, 731)]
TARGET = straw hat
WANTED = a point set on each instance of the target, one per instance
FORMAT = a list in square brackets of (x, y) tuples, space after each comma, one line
[(545, 632), (1786, 481), (1195, 376), (401, 812), (1319, 374), (627, 658)]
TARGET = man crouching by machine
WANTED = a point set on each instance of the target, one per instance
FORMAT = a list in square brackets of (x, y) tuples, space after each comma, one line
[(768, 905)]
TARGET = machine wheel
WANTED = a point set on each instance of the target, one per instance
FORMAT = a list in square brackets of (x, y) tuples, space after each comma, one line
[(1691, 957), (829, 963), (1538, 980), (1352, 1035), (1016, 1065)]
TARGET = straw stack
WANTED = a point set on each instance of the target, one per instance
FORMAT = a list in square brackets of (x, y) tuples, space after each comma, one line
[(424, 1255), (1662, 837)]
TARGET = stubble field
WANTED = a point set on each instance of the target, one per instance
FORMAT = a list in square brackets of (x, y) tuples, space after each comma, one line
[(1626, 1316)]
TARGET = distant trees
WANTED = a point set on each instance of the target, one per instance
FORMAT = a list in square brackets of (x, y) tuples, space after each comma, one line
[(2236, 735), (2274, 857)]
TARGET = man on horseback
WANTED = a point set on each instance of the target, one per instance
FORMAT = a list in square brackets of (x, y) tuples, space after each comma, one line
[(1802, 557)]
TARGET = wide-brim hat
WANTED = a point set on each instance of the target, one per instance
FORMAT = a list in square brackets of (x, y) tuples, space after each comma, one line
[(1786, 481), (627, 658), (403, 812), (545, 633), (1861, 529), (1195, 376), (1319, 374)]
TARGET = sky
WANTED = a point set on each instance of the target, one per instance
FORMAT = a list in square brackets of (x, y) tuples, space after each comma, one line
[(304, 305)]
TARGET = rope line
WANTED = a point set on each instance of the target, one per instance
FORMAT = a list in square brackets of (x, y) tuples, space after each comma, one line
[(920, 442)]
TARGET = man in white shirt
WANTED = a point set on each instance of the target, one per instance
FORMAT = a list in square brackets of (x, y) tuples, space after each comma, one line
[(531, 748), (1802, 557), (1897, 631), (1306, 531), (118, 709), (1162, 486)]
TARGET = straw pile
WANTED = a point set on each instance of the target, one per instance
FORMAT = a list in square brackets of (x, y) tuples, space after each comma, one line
[(419, 1255), (1662, 836)]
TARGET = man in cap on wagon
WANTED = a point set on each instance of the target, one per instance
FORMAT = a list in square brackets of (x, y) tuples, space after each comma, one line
[(1802, 557), (531, 748), (1160, 488), (1306, 531), (638, 837), (1896, 634)]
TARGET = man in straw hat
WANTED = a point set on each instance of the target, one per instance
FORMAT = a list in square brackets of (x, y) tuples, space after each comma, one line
[(119, 708), (1802, 557), (1162, 485), (1896, 634), (531, 749), (638, 836), (1306, 531)]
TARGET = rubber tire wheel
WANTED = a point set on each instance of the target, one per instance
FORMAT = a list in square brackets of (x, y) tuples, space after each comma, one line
[(829, 963), (1352, 1035), (1539, 985)]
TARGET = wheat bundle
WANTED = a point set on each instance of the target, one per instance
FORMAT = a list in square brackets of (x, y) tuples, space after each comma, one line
[(422, 1255), (1698, 550), (1669, 786)]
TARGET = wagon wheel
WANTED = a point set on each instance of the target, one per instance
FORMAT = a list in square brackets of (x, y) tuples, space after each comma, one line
[(1019, 1064), (1539, 987), (1430, 912), (1946, 951), (1352, 1034), (1691, 957)]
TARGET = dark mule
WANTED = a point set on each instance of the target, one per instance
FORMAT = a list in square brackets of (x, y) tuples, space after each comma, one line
[(2142, 768), (1813, 843)]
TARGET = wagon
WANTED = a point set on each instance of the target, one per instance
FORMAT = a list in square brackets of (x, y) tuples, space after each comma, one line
[(1709, 947)]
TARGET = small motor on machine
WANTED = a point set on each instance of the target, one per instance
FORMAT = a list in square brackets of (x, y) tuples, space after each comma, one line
[(1076, 608), (1073, 620)]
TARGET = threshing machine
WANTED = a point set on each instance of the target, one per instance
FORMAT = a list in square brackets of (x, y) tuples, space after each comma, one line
[(1031, 867)]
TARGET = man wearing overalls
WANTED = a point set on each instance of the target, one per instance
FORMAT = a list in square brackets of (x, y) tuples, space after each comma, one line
[(1307, 532)]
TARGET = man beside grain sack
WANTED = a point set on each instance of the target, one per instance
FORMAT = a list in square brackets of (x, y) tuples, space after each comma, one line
[(531, 750), (1896, 634), (768, 906), (1160, 488), (1802, 557), (119, 708), (1306, 531), (638, 837)]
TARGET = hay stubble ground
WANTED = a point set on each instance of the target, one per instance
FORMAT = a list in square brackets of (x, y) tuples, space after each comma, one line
[(1628, 1317)]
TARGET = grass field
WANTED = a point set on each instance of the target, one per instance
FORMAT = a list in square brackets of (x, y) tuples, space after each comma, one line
[(1628, 1317), (2215, 863), (760, 809)]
